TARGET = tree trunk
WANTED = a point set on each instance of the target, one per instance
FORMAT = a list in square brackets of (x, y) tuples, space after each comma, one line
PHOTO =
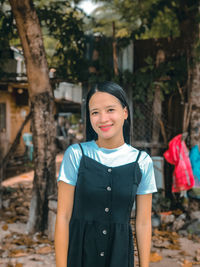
[(195, 102), (129, 92), (157, 112), (157, 108), (195, 86), (42, 104), (115, 59)]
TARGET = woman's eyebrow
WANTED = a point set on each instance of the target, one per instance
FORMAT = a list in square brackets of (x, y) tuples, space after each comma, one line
[(110, 106), (93, 109)]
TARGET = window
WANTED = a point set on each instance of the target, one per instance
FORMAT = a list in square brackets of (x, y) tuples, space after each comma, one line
[(2, 117)]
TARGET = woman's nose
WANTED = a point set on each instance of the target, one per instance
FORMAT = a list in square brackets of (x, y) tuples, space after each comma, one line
[(103, 117)]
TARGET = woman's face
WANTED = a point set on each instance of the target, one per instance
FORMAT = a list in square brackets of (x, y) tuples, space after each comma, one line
[(107, 117)]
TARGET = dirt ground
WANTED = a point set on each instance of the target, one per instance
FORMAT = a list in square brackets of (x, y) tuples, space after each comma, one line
[(17, 249)]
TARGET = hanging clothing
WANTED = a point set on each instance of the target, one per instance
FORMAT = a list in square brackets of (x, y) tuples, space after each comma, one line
[(100, 232), (178, 155), (195, 162)]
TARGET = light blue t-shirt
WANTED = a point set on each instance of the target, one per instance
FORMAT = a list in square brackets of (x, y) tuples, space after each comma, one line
[(122, 155)]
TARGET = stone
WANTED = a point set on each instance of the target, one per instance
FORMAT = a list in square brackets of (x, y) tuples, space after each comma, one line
[(6, 203), (155, 220), (177, 225), (194, 227), (195, 215), (52, 205), (51, 225), (167, 218)]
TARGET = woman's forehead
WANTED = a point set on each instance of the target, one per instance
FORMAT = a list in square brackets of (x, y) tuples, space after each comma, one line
[(103, 99)]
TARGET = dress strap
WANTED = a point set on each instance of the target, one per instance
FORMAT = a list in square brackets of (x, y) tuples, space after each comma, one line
[(138, 156), (81, 149)]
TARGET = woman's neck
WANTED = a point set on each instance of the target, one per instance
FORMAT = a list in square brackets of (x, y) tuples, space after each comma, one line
[(109, 144)]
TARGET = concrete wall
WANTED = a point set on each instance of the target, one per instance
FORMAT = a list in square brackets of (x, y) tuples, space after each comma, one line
[(15, 116)]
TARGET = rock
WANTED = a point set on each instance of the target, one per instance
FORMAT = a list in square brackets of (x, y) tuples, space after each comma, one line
[(167, 218), (6, 203), (183, 233), (51, 225), (51, 219), (155, 220), (197, 257), (194, 227), (178, 224), (52, 205), (21, 211), (195, 215), (181, 217), (194, 205)]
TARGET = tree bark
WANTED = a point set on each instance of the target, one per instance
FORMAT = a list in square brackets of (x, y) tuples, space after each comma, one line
[(42, 105), (195, 102), (157, 108), (115, 59), (157, 111), (195, 83)]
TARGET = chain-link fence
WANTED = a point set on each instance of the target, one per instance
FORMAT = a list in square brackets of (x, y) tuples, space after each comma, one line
[(155, 123)]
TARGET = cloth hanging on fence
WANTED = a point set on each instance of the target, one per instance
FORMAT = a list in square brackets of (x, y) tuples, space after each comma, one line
[(178, 155), (195, 162)]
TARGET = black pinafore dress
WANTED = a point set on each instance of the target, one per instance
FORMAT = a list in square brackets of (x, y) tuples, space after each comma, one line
[(100, 233)]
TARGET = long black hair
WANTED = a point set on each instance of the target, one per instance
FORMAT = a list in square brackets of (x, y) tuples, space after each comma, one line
[(117, 91)]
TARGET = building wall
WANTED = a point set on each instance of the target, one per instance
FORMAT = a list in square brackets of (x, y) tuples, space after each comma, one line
[(69, 91), (15, 115)]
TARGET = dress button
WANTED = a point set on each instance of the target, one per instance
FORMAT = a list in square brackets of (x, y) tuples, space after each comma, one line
[(108, 188), (106, 209), (109, 170), (104, 232), (102, 254)]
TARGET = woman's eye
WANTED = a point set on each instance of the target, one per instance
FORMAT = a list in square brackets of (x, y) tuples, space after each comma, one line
[(94, 113), (111, 110)]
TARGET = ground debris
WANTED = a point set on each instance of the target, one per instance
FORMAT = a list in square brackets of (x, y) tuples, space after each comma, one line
[(187, 263), (155, 257), (165, 239)]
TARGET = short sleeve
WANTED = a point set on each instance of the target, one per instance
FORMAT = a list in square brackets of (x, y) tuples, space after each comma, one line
[(70, 164), (148, 183)]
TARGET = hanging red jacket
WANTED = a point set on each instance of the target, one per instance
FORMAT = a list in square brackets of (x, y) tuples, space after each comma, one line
[(178, 155)]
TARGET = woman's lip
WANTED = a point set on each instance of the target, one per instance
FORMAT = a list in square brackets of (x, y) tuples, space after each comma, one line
[(105, 128)]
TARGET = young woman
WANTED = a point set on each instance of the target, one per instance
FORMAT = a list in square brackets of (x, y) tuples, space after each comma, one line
[(97, 185)]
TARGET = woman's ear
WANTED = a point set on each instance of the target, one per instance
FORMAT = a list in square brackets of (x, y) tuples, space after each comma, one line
[(125, 113)]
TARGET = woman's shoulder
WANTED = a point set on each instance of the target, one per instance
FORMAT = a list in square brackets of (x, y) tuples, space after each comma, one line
[(144, 157), (76, 148)]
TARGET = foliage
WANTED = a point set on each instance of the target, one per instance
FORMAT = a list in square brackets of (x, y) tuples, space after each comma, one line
[(146, 19), (63, 35), (155, 18), (152, 19), (103, 64), (5, 25), (104, 17), (166, 76), (6, 33)]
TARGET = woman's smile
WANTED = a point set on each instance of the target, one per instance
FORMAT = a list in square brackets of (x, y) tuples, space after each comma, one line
[(105, 128)]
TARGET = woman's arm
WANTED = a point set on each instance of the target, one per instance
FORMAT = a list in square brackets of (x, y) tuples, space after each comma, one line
[(64, 211), (143, 228)]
